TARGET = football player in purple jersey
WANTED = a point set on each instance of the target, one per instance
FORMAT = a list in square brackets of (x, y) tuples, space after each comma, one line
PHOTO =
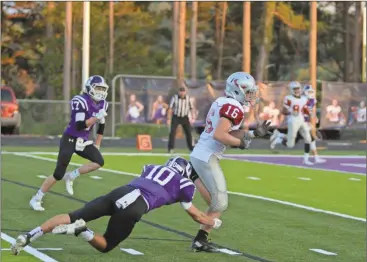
[(87, 109), (157, 186)]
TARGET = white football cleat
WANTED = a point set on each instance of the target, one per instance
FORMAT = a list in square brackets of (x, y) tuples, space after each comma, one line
[(274, 138), (70, 229), (307, 163), (320, 160), (69, 184), (36, 204), (21, 242)]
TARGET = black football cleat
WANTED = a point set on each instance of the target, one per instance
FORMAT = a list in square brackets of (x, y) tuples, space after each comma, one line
[(203, 246)]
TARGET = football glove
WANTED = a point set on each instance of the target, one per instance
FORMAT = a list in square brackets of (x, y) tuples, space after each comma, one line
[(263, 129), (101, 114)]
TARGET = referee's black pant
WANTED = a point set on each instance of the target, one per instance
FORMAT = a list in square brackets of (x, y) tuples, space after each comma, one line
[(184, 121)]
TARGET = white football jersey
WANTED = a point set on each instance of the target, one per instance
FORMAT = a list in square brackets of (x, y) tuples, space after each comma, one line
[(297, 106), (221, 107)]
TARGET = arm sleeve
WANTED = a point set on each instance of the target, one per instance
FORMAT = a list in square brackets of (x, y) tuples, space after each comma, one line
[(100, 129)]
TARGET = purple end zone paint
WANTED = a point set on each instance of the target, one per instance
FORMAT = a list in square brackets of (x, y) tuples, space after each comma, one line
[(334, 164)]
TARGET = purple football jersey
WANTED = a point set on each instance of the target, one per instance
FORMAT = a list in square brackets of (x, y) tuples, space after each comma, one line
[(162, 185), (83, 106)]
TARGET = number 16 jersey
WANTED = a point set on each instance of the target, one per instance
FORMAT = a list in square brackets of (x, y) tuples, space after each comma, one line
[(222, 107)]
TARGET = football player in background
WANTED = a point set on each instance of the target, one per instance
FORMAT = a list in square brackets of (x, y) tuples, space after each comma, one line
[(311, 103), (223, 121), (295, 107), (157, 186), (87, 109)]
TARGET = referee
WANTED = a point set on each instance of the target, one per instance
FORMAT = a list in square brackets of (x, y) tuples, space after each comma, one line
[(178, 112)]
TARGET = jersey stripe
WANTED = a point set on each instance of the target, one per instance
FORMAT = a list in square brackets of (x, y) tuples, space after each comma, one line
[(81, 103), (84, 101), (188, 183)]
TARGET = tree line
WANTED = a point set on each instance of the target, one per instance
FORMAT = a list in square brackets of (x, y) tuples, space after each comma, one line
[(145, 38)]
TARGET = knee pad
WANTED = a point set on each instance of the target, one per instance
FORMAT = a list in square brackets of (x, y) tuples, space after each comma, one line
[(59, 172), (219, 202), (100, 162)]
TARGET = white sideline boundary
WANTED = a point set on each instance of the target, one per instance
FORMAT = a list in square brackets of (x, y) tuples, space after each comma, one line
[(225, 156), (30, 250), (177, 154), (229, 192)]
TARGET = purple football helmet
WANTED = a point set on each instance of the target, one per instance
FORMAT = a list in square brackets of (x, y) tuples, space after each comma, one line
[(96, 87), (181, 165)]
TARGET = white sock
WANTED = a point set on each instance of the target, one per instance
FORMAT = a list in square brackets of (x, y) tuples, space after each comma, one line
[(279, 140), (306, 156), (40, 195), (35, 233), (74, 174), (313, 145), (87, 235)]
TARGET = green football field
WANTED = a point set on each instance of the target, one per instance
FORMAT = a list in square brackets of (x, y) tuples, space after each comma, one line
[(273, 214)]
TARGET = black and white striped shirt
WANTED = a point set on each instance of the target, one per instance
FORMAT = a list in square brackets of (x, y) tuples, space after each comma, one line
[(180, 106)]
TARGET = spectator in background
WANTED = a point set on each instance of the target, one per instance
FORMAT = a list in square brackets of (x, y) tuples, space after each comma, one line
[(134, 110), (271, 113), (361, 113), (357, 114), (159, 111), (333, 112)]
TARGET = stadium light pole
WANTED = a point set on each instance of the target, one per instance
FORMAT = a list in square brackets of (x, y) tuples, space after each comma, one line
[(86, 40), (246, 37), (313, 55), (67, 54), (364, 51)]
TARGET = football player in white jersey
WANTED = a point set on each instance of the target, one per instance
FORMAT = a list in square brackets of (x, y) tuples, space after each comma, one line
[(223, 122), (295, 106), (311, 103)]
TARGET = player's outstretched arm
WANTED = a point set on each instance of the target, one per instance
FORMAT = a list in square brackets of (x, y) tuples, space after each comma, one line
[(200, 217)]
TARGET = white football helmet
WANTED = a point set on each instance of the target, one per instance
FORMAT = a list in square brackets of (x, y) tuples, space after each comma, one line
[(242, 87), (293, 86), (96, 87), (309, 91)]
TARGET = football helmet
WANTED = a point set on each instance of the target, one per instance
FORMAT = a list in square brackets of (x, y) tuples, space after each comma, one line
[(181, 165), (96, 87), (295, 88), (309, 91), (242, 87)]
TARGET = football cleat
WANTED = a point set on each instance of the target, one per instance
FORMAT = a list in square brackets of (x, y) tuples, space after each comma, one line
[(21, 242), (203, 246), (69, 184), (35, 204), (319, 160), (71, 229), (274, 138), (307, 163)]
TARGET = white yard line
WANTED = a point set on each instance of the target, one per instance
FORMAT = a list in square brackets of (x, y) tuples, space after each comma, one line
[(34, 252), (229, 192)]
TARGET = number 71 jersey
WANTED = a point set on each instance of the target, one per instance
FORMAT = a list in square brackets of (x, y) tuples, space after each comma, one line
[(222, 107)]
